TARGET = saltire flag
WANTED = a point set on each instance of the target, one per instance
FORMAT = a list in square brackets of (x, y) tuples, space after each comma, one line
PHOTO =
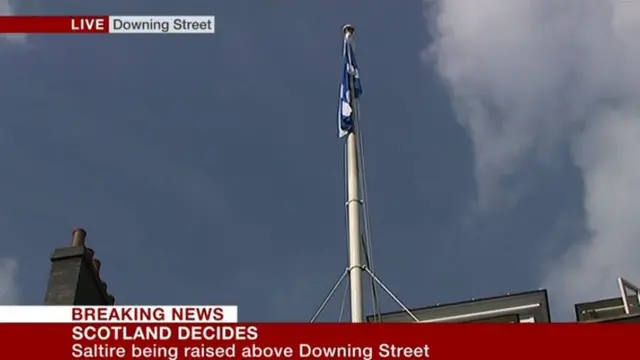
[(350, 78)]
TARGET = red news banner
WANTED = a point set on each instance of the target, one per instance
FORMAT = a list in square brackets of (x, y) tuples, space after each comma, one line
[(141, 24), (210, 332), (54, 24)]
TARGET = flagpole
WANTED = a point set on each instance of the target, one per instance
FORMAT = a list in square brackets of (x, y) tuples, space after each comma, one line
[(354, 204)]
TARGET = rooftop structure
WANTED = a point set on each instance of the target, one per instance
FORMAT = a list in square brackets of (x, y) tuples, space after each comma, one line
[(75, 276), (625, 308), (525, 307)]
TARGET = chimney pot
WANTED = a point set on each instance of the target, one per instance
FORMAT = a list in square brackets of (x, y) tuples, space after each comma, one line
[(96, 266), (89, 253), (78, 237)]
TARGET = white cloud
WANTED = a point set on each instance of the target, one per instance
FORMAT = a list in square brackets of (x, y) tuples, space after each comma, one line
[(526, 76), (7, 9), (8, 286)]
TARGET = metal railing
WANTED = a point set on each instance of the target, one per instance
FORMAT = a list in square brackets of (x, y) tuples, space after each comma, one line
[(625, 286)]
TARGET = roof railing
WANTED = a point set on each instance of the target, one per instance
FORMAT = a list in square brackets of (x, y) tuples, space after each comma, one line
[(626, 287)]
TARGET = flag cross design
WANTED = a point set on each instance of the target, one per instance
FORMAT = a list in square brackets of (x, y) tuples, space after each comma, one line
[(350, 81)]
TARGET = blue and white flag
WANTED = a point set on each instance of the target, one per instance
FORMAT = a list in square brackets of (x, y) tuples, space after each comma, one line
[(350, 80)]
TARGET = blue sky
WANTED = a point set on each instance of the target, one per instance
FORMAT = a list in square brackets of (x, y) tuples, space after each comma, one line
[(207, 170)]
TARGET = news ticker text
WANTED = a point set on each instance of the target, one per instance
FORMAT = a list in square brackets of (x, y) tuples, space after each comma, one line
[(234, 351), (213, 342)]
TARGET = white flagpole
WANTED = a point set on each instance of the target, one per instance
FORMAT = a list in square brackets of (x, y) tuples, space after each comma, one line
[(354, 204)]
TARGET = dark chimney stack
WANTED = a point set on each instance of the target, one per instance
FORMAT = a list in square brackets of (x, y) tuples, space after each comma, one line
[(75, 275)]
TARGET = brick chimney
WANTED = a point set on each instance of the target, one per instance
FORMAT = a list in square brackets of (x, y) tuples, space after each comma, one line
[(75, 276)]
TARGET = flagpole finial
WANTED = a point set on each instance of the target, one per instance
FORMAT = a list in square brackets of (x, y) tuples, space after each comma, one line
[(348, 29)]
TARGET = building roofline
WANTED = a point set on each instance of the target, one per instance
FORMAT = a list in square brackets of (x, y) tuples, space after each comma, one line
[(369, 318)]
